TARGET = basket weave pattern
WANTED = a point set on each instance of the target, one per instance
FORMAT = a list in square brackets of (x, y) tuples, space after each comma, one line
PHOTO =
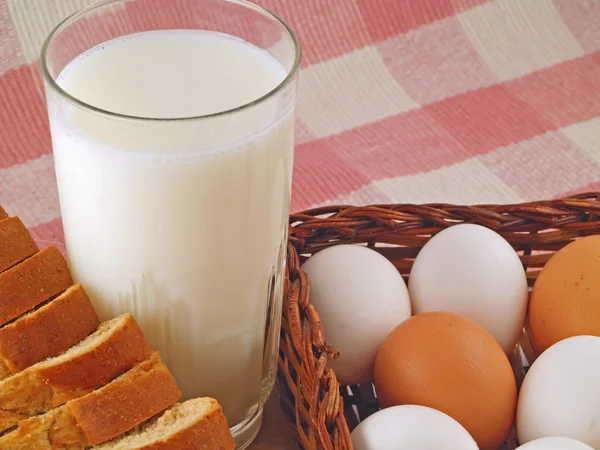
[(322, 412)]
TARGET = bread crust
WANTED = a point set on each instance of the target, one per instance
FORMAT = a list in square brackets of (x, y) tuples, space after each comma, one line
[(32, 282), (47, 331), (50, 383), (3, 214), (126, 348), (142, 392), (146, 390), (16, 244)]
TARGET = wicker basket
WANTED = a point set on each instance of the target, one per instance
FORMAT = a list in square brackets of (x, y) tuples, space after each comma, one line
[(322, 412)]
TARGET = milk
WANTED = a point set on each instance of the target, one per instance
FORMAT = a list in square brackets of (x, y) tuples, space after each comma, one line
[(182, 223)]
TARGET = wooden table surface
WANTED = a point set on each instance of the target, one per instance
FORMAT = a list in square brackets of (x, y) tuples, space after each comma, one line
[(276, 432)]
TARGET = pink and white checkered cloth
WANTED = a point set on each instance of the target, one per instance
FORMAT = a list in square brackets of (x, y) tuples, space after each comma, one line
[(461, 101)]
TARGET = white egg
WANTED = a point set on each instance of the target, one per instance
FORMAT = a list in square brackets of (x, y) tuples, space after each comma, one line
[(411, 427), (360, 297), (472, 271), (561, 392), (555, 443)]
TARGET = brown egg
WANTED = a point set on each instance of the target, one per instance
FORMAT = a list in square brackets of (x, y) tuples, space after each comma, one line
[(449, 363), (565, 300)]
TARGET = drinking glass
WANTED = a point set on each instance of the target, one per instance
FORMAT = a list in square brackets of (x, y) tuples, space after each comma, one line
[(174, 181)]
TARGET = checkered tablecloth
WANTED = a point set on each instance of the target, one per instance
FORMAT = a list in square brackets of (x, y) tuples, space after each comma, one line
[(461, 101)]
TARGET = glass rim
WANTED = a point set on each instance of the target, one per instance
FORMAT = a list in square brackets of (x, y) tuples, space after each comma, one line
[(86, 106)]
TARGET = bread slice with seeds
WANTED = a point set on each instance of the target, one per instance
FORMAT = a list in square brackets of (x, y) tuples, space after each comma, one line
[(116, 346)]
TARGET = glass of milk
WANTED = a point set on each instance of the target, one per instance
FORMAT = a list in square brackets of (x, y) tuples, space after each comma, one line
[(172, 128)]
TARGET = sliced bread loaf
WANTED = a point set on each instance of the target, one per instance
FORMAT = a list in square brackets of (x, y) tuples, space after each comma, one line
[(197, 424), (46, 331), (126, 402), (32, 282), (16, 244), (114, 348)]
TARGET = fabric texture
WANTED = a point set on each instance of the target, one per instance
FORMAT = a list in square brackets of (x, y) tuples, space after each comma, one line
[(461, 101)]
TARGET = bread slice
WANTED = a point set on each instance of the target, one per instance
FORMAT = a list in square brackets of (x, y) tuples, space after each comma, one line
[(193, 425), (114, 348), (46, 331), (126, 402), (3, 214), (16, 244), (32, 282)]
